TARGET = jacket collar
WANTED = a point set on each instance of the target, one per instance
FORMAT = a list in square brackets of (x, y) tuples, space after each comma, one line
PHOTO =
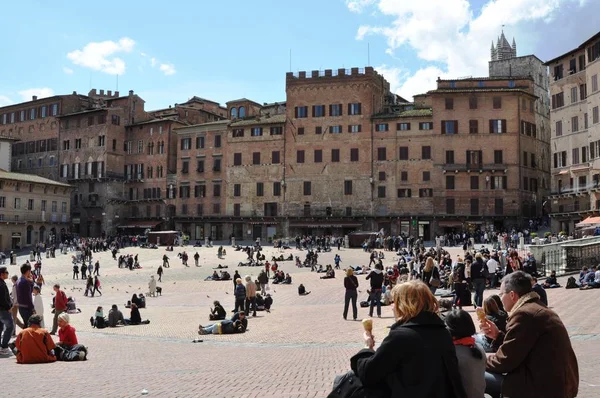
[(528, 298), (425, 318)]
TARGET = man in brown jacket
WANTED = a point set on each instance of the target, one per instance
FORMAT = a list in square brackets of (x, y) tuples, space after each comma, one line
[(535, 358)]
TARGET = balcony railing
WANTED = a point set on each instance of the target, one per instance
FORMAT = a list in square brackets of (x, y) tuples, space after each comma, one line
[(33, 216), (568, 189), (474, 167), (571, 208)]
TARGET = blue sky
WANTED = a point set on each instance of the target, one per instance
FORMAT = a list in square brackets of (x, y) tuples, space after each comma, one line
[(169, 51)]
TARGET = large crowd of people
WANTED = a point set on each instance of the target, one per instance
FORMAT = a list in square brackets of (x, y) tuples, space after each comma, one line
[(517, 347)]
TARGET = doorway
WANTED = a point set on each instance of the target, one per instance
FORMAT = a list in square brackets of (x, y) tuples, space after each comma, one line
[(256, 231)]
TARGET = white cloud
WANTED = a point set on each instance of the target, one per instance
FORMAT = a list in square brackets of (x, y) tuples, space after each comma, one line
[(447, 33), (143, 54), (358, 5), (97, 55), (4, 100), (39, 92), (167, 69), (68, 71)]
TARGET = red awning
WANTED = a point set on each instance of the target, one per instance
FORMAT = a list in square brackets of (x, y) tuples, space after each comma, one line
[(140, 224), (588, 222)]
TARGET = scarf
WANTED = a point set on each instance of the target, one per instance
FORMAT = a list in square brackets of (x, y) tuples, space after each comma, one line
[(466, 341), (531, 296)]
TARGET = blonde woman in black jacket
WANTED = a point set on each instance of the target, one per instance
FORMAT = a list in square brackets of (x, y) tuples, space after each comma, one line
[(417, 358)]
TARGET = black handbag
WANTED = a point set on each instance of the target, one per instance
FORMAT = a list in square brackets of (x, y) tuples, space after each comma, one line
[(347, 386)]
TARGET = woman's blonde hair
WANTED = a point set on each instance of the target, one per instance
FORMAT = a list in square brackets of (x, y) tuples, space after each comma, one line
[(411, 298), (429, 264), (349, 272)]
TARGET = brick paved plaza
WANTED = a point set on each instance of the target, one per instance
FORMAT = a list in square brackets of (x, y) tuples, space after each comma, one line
[(295, 351)]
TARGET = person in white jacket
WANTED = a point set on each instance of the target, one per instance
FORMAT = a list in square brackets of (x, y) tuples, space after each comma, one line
[(38, 303), (152, 286)]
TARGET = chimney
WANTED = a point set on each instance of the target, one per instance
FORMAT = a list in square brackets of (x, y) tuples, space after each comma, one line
[(130, 93), (116, 93), (92, 92), (74, 92), (101, 93), (34, 98), (109, 93)]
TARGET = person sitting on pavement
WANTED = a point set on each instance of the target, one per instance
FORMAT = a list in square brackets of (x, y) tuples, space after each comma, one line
[(269, 302), (68, 347), (225, 276), (539, 290), (329, 273), (218, 312), (34, 344), (115, 317), (237, 324), (302, 290), (592, 279), (135, 317), (98, 321), (551, 281), (278, 278), (287, 280), (535, 357)]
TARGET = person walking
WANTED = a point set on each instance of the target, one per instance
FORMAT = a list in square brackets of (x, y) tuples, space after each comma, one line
[(240, 295), (60, 306), (25, 293), (7, 325), (351, 285), (263, 279), (250, 295), (196, 259), (165, 261), (479, 273), (96, 286), (159, 272), (89, 285), (97, 268), (75, 271), (376, 279)]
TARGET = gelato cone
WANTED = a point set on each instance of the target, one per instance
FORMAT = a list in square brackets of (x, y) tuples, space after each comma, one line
[(367, 325), (480, 314)]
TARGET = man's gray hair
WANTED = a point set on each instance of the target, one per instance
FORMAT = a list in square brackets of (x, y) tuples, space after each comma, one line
[(518, 282)]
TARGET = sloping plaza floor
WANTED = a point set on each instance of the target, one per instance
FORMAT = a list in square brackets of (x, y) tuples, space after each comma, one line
[(294, 351)]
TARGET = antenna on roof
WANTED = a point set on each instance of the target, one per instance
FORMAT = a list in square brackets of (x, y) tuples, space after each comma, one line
[(368, 54)]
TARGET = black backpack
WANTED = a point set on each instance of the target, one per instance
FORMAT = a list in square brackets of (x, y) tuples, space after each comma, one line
[(571, 283)]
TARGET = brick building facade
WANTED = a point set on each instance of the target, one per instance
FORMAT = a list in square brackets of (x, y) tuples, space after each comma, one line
[(575, 126)]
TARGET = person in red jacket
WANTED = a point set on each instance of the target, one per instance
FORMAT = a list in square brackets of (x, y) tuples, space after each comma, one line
[(60, 306), (68, 347)]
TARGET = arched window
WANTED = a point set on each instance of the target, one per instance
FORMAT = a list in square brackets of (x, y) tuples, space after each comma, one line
[(242, 112), (234, 113)]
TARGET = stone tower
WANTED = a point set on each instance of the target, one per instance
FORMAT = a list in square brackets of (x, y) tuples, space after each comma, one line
[(503, 49)]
